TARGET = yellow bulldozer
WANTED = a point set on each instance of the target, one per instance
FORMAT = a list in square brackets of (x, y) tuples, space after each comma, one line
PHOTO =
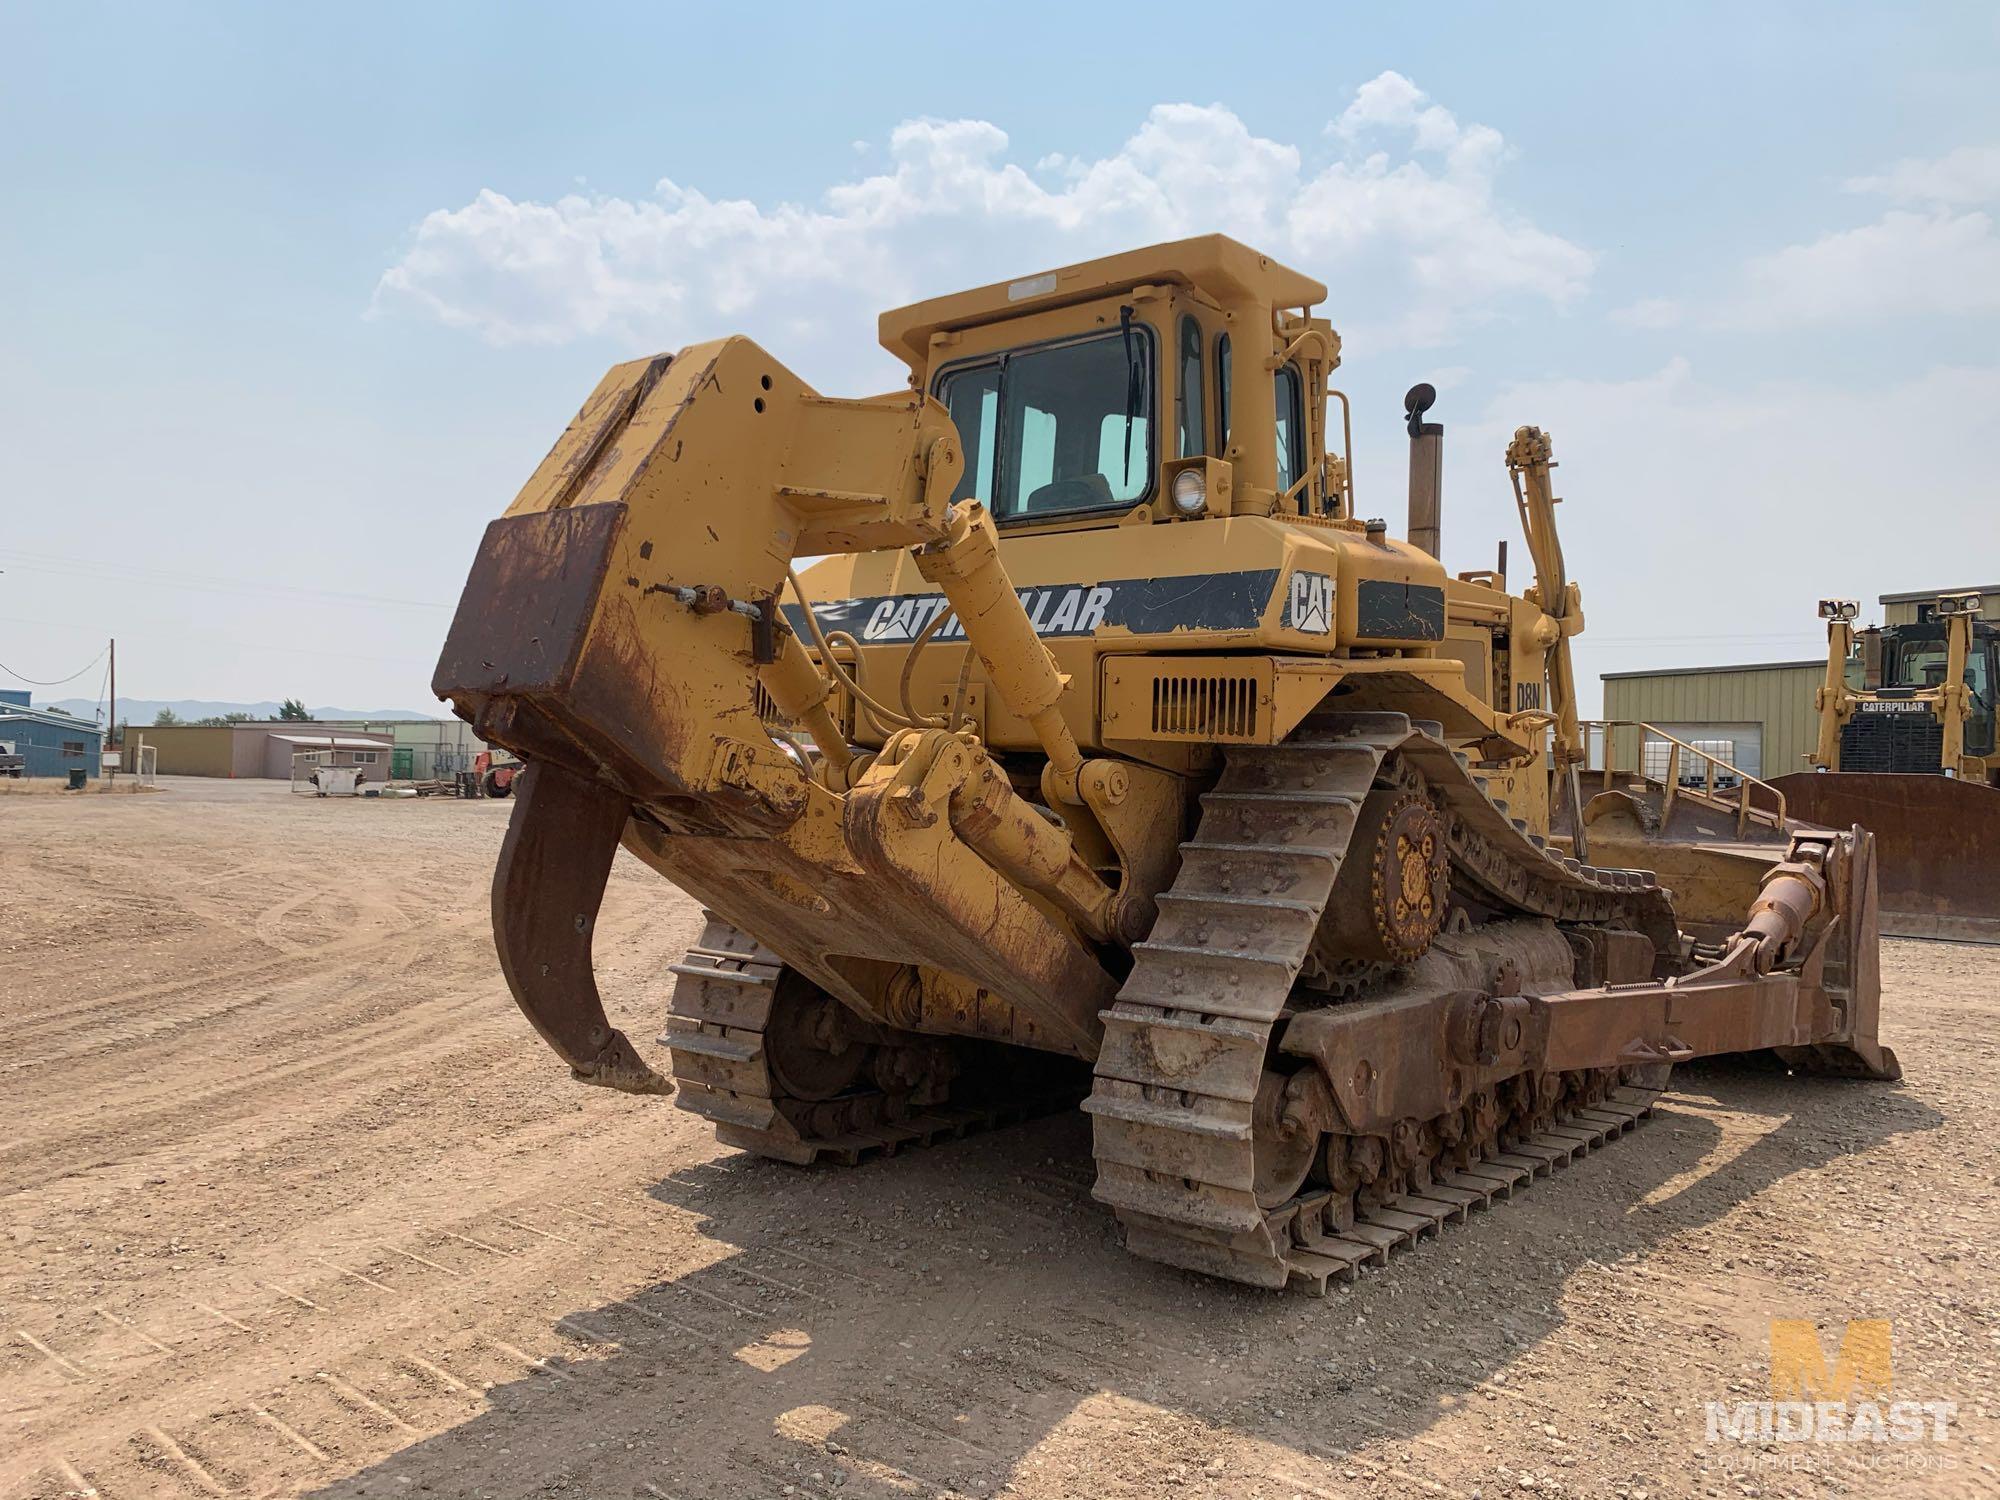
[(1106, 752), (1907, 746)]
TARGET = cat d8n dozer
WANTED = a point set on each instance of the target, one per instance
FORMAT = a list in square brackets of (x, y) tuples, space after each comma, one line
[(1103, 730)]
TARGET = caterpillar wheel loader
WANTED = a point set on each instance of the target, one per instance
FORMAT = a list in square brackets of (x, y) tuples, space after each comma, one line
[(1104, 749), (1907, 746)]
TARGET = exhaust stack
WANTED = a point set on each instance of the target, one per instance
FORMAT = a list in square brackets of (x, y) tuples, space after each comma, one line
[(1426, 470)]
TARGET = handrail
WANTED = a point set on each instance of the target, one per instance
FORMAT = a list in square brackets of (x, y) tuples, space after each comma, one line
[(1746, 811)]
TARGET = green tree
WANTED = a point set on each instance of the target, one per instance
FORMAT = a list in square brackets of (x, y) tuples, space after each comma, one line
[(293, 709), (166, 716)]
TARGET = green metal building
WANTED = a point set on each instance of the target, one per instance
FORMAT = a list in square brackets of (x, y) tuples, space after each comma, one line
[(1762, 713)]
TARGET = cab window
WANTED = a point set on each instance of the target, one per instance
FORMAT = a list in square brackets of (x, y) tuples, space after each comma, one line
[(1187, 392), (973, 399), (1924, 666), (1058, 428), (1290, 435), (1291, 454)]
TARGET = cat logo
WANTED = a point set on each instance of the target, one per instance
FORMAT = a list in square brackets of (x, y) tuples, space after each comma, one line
[(1309, 605)]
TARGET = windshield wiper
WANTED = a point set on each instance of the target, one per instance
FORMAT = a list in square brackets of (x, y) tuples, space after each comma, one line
[(1133, 376)]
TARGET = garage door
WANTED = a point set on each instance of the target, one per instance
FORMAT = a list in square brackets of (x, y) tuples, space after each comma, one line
[(1742, 745)]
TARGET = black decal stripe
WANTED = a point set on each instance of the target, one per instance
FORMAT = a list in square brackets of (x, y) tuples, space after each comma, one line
[(1202, 601), (1399, 611), (1144, 606)]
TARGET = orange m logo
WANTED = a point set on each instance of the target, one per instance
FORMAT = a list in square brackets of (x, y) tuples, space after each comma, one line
[(1798, 1362)]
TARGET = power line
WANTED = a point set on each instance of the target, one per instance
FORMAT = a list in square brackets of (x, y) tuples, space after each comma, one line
[(56, 681)]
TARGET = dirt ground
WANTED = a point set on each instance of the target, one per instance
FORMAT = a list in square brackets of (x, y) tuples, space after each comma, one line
[(293, 1203)]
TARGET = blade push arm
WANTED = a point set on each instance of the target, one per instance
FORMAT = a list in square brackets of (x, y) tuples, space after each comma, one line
[(1833, 701), (1529, 461)]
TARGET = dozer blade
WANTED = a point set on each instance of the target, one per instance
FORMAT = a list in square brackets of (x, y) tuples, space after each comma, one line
[(546, 892), (1937, 845)]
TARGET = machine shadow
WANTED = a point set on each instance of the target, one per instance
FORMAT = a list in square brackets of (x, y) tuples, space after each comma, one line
[(955, 1319)]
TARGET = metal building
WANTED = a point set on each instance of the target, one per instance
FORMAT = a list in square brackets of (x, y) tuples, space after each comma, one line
[(51, 743), (1758, 717)]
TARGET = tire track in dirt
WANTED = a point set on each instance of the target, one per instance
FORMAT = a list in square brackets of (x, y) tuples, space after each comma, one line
[(373, 986), (132, 1004), (210, 999)]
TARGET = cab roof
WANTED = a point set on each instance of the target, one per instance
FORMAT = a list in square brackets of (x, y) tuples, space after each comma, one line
[(1225, 269)]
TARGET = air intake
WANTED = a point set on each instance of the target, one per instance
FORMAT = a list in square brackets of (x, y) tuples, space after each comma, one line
[(1205, 707)]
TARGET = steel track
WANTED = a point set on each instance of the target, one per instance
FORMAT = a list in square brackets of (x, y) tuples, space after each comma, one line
[(1187, 1038), (724, 991)]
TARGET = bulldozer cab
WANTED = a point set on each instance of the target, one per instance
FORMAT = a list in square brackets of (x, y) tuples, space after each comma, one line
[(1899, 665), (1082, 396), (1918, 656)]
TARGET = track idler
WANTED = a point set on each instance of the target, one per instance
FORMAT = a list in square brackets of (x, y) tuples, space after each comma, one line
[(547, 890)]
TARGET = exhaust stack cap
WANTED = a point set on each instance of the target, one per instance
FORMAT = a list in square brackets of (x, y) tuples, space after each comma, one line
[(1417, 400)]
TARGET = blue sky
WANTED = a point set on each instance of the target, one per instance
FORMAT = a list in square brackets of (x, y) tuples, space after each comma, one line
[(294, 300)]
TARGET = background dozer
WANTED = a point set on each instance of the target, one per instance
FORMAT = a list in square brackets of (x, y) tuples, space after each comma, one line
[(1107, 749), (1906, 746)]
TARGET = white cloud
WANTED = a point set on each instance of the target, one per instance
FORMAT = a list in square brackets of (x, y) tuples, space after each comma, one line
[(1391, 102), (1906, 264), (1933, 254), (1971, 174), (1404, 226), (1704, 520)]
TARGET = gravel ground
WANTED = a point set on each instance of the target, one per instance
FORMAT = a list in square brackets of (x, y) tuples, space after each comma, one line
[(292, 1202)]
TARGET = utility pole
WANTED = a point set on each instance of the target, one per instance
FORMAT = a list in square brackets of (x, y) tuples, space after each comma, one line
[(111, 729)]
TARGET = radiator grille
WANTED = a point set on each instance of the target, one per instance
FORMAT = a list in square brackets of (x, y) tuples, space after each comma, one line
[(1223, 708), (1891, 742)]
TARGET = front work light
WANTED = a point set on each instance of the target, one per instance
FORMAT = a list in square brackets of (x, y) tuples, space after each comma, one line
[(1190, 492)]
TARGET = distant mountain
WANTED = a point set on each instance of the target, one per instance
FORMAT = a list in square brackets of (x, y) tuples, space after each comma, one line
[(144, 710)]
